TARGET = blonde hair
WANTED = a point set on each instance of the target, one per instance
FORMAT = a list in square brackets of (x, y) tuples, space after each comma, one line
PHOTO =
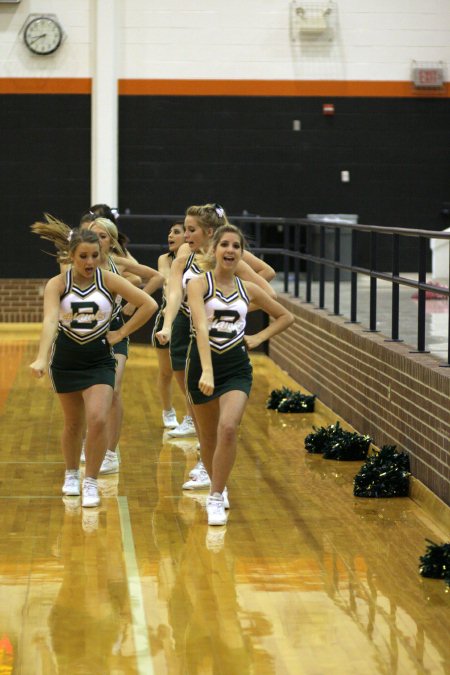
[(111, 230), (58, 233)]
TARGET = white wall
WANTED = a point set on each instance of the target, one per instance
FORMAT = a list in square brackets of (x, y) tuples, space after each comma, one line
[(236, 39)]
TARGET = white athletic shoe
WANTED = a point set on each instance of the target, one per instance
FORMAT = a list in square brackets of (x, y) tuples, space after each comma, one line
[(197, 469), (110, 464), (200, 481), (71, 487), (216, 510), (90, 496), (169, 418), (186, 428)]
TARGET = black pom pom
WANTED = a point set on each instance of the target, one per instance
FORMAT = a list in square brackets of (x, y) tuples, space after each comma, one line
[(297, 403), (385, 474), (336, 443), (276, 396), (322, 438), (436, 561), (287, 401)]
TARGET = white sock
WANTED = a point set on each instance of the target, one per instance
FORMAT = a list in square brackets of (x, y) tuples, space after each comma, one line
[(72, 472)]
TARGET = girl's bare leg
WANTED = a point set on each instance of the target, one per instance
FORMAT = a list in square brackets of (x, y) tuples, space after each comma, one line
[(97, 401)]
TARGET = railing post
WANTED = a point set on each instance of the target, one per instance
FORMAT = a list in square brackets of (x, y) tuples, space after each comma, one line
[(322, 268), (309, 264), (286, 233), (373, 284), (353, 281), (421, 294), (395, 312), (296, 260), (337, 271)]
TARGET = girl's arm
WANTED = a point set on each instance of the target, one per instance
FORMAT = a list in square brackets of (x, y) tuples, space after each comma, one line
[(52, 295), (164, 266), (154, 279), (282, 318), (259, 266), (196, 289), (245, 272), (145, 305), (174, 297)]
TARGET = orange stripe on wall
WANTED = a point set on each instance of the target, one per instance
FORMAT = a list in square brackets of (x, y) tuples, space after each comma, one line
[(276, 88), (355, 88), (45, 85)]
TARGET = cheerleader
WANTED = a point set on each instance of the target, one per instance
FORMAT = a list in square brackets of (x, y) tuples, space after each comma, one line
[(218, 369), (175, 239), (200, 225), (78, 307)]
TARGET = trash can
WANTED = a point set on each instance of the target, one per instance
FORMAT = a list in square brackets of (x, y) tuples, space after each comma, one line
[(346, 242)]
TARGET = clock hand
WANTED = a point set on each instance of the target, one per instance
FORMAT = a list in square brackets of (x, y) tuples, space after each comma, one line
[(38, 37)]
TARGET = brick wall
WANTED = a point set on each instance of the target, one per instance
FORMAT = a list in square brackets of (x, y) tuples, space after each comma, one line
[(378, 387), (21, 300)]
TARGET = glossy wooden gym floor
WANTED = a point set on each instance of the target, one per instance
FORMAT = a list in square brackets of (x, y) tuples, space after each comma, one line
[(304, 579)]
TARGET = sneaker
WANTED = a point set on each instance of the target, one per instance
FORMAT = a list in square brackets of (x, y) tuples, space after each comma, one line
[(90, 496), (169, 418), (71, 487), (226, 502), (198, 468), (216, 510), (186, 428), (200, 481), (110, 464)]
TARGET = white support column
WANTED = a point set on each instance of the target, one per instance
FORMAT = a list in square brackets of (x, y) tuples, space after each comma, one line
[(104, 109)]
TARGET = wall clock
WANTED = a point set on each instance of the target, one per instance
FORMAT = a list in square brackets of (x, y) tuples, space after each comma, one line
[(43, 35)]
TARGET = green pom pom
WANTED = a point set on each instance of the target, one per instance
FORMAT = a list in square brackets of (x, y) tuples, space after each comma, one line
[(287, 401), (435, 563), (336, 443), (276, 396), (385, 474)]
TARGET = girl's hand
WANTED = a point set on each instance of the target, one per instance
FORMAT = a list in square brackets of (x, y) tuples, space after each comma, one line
[(163, 336), (113, 337), (206, 383), (252, 341), (128, 309), (38, 368)]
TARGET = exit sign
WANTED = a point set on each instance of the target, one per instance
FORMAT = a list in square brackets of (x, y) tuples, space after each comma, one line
[(428, 78)]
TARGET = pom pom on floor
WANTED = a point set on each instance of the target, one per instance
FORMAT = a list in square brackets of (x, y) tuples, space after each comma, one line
[(287, 401), (336, 443), (385, 474), (435, 564)]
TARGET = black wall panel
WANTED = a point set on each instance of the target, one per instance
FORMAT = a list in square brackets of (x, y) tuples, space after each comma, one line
[(243, 153), (240, 151), (44, 166)]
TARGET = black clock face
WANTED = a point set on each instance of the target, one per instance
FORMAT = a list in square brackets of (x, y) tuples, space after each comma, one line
[(43, 35)]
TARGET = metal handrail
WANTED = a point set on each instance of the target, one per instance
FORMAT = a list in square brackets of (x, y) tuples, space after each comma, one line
[(336, 265)]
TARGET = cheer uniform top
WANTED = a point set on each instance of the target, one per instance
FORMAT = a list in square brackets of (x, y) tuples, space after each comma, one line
[(181, 328), (226, 317), (117, 320), (81, 355)]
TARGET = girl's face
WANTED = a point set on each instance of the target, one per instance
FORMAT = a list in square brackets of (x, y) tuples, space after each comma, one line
[(176, 237), (195, 235), (228, 251), (105, 239), (85, 258)]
